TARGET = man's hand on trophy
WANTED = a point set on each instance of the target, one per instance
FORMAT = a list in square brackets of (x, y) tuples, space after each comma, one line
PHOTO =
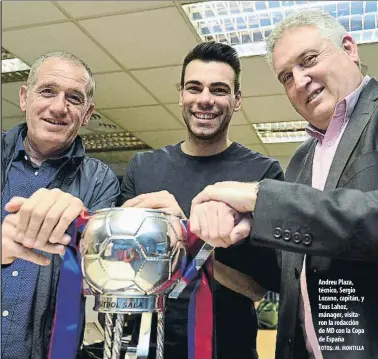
[(165, 202), (162, 200), (218, 224), (11, 249), (44, 217), (238, 195)]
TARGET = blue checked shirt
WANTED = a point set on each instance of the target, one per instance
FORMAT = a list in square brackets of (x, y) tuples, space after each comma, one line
[(19, 279)]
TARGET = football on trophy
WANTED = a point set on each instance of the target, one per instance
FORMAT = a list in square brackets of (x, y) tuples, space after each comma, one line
[(131, 251)]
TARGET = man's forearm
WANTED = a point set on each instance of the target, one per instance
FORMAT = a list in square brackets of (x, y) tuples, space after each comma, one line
[(340, 223)]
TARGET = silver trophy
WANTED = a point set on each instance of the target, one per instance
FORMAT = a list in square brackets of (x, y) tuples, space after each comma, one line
[(131, 259)]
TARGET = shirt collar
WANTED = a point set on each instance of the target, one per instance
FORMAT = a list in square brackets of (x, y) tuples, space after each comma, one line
[(20, 149), (343, 111), (352, 98)]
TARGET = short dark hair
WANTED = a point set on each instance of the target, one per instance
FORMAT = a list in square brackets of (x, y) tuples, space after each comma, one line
[(214, 51)]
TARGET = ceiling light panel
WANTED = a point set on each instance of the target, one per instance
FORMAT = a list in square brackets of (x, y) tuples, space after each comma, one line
[(279, 132), (245, 25), (12, 68), (113, 142)]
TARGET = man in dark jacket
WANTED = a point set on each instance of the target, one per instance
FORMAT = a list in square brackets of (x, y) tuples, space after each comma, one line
[(47, 180), (325, 223)]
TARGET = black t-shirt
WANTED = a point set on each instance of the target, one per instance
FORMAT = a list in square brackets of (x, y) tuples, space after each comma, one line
[(184, 177)]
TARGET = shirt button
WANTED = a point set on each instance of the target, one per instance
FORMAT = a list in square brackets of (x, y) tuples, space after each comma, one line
[(5, 313), (329, 143), (36, 173), (14, 273)]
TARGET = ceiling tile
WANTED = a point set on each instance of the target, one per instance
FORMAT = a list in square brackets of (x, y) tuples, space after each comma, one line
[(122, 35), (120, 90), (238, 118), (158, 139), (30, 43), (20, 13), (163, 83), (9, 92), (9, 110), (85, 131), (368, 56), (101, 123), (176, 110), (81, 8), (282, 149), (9, 122), (243, 135), (269, 109), (149, 118), (257, 78)]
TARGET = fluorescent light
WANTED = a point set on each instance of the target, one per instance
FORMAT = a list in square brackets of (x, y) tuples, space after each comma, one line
[(13, 65), (245, 25), (12, 68), (113, 142), (278, 132)]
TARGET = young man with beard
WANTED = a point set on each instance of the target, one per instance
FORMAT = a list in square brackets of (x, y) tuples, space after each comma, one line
[(169, 178)]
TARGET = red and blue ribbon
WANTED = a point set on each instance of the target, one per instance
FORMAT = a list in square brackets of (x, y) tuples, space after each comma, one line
[(67, 326), (200, 323)]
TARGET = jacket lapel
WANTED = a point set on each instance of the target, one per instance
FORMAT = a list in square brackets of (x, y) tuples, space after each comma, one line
[(357, 123), (305, 174)]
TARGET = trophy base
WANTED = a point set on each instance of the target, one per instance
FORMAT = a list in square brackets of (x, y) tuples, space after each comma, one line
[(129, 304)]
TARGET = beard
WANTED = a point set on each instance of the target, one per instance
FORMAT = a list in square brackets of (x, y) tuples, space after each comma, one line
[(218, 132)]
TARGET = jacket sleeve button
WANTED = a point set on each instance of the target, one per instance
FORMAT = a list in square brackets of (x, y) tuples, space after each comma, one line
[(307, 239), (277, 233), (297, 238), (287, 235)]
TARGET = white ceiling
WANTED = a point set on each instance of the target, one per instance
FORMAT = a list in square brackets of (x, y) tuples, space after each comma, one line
[(135, 49)]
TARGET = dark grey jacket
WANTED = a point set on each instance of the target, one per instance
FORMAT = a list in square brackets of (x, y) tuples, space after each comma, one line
[(86, 178), (336, 228)]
